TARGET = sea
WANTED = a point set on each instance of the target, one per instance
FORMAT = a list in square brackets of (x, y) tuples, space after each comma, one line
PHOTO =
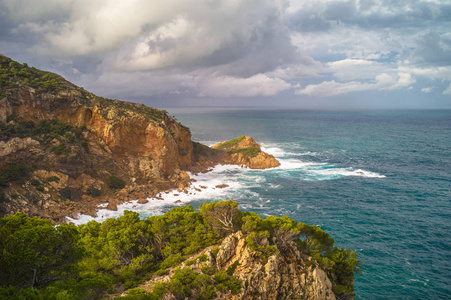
[(378, 181)]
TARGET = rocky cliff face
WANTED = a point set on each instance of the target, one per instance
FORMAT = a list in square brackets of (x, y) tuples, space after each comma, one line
[(143, 146), (245, 151), (242, 151), (287, 274), (146, 148)]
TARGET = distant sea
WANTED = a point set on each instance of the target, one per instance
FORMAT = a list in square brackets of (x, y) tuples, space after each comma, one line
[(379, 182)]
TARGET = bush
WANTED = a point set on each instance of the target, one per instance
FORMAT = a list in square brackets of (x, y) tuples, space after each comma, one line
[(161, 272), (94, 192), (115, 182), (61, 149), (35, 182), (231, 143), (250, 151), (14, 173), (53, 178)]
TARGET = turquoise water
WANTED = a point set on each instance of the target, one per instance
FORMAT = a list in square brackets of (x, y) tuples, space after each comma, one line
[(378, 181)]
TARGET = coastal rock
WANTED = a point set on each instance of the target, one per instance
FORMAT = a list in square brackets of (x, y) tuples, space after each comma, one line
[(283, 275), (95, 140), (244, 151), (16, 144)]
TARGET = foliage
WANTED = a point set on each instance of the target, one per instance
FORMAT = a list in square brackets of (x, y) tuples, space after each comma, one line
[(48, 254), (14, 74), (115, 182), (249, 151), (232, 268), (224, 216), (89, 261), (229, 144), (187, 283), (53, 178), (225, 282), (11, 173), (45, 132)]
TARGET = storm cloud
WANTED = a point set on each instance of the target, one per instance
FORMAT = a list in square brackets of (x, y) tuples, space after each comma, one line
[(172, 49)]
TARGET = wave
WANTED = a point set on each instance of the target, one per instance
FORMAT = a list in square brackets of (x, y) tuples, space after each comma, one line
[(235, 183)]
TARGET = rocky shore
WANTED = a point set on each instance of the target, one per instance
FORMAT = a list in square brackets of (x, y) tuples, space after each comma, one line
[(75, 149)]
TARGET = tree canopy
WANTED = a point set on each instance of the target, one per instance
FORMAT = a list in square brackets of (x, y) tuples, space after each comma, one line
[(43, 261)]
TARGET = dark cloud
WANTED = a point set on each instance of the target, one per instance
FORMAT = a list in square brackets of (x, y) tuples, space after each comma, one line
[(317, 16), (434, 49), (175, 49)]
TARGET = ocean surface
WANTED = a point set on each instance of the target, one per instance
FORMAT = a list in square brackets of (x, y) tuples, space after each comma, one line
[(379, 182)]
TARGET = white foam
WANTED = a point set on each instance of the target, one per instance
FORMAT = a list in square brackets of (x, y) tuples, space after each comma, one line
[(340, 172), (239, 183), (205, 187)]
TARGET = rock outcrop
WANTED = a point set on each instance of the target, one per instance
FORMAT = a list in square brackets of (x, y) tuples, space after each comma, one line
[(242, 151), (287, 274), (85, 139)]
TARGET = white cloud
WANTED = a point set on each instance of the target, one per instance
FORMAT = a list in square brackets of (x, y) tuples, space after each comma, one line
[(258, 85), (426, 90), (356, 69), (240, 48), (381, 82)]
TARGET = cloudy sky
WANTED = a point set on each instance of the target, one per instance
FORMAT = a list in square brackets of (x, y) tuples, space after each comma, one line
[(306, 53)]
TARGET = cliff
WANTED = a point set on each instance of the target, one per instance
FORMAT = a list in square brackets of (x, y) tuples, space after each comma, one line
[(242, 151), (64, 150), (218, 252), (287, 274)]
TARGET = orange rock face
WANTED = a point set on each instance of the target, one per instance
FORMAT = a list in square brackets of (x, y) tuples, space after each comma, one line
[(143, 146), (245, 151)]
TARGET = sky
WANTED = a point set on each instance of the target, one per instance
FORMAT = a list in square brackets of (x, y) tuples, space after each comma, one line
[(284, 53)]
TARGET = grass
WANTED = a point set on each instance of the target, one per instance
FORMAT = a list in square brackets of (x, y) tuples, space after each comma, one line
[(249, 151), (231, 143)]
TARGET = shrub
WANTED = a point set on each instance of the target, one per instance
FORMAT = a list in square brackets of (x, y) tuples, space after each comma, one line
[(208, 270), (203, 257), (14, 173), (231, 143), (115, 182), (250, 151), (94, 192), (60, 149), (68, 193), (161, 272), (35, 182), (190, 262), (232, 268), (53, 178)]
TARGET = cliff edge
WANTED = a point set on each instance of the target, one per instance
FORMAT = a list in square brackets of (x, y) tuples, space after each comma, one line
[(64, 150)]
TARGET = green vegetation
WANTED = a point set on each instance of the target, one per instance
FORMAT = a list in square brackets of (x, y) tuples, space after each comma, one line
[(53, 178), (231, 143), (249, 151), (44, 131), (14, 173), (14, 74), (41, 261), (115, 182)]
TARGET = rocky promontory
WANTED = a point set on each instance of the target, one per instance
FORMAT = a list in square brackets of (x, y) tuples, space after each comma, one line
[(286, 274), (64, 150), (245, 151)]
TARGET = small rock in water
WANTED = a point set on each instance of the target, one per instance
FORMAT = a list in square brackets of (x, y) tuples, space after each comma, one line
[(221, 186)]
